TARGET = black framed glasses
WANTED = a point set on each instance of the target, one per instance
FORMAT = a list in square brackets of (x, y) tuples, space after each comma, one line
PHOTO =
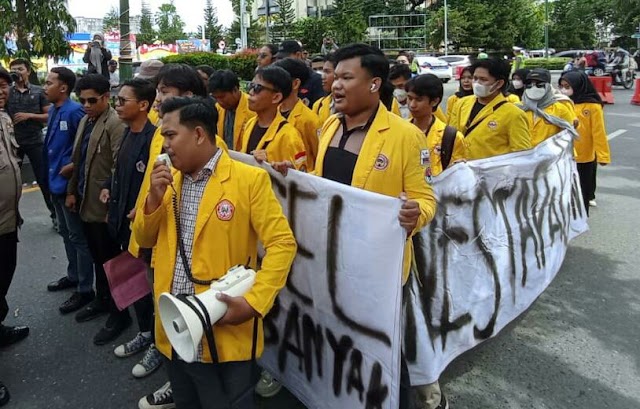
[(258, 88), (536, 84), (90, 100), (122, 100)]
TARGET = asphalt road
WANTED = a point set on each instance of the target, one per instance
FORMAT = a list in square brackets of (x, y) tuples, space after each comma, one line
[(577, 347)]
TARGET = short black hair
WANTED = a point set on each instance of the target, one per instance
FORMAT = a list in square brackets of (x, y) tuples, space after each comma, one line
[(223, 81), (278, 77), (371, 59), (66, 76), (331, 57), (318, 58), (426, 85), (183, 77), (207, 69), (273, 48), (143, 89), (194, 112), (21, 61), (400, 71), (4, 74), (498, 69), (295, 67), (97, 82)]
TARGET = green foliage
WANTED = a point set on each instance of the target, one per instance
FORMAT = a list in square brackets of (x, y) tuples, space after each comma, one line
[(243, 64), (311, 31), (212, 29), (348, 23), (572, 25), (147, 33), (111, 20), (255, 31), (556, 63), (40, 27), (283, 21), (457, 26), (170, 24)]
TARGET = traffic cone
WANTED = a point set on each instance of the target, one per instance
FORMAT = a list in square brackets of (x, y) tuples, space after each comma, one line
[(636, 95)]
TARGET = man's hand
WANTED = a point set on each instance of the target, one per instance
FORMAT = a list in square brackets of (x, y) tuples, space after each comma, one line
[(260, 155), (67, 171), (238, 310), (409, 213), (70, 202), (282, 167), (160, 178), (104, 196), (21, 117)]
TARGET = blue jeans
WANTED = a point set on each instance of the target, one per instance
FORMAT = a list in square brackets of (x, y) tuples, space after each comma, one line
[(80, 268)]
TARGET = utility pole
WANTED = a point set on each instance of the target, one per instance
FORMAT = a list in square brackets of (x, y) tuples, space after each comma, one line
[(446, 30), (546, 28), (243, 26), (126, 59), (268, 13)]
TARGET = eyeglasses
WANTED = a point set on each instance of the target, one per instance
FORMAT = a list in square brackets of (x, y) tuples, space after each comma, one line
[(536, 84), (123, 100), (90, 101), (258, 88)]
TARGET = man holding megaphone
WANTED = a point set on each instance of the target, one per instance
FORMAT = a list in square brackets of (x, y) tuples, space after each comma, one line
[(204, 213)]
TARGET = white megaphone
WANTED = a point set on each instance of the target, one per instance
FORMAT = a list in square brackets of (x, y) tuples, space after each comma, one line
[(182, 325)]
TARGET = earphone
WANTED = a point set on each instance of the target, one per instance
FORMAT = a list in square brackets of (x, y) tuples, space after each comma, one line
[(373, 87)]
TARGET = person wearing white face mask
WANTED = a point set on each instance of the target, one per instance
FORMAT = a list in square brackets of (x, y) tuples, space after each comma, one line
[(546, 113), (516, 89), (399, 75), (490, 123)]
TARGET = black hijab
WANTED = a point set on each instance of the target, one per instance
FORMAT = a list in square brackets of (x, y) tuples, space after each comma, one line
[(461, 93), (583, 89), (522, 74)]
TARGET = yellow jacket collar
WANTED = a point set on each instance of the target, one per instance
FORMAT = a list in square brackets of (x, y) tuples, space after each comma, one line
[(273, 129), (488, 109)]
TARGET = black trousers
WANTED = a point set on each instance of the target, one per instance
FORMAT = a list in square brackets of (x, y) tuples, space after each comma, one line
[(36, 158), (587, 173), (103, 248), (8, 259), (212, 386)]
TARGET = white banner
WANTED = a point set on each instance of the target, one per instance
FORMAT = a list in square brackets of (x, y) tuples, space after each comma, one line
[(498, 240), (333, 336)]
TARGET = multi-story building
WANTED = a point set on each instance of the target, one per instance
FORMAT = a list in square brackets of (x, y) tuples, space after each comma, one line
[(303, 8), (94, 25)]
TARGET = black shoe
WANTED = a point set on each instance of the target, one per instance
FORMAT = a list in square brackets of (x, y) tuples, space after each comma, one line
[(4, 394), (61, 284), (77, 301), (116, 325), (93, 310), (11, 335)]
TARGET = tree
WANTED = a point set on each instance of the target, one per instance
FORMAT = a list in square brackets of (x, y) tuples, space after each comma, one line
[(572, 25), (457, 26), (311, 31), (283, 22), (170, 25), (147, 33), (212, 30), (349, 23), (111, 21), (255, 30)]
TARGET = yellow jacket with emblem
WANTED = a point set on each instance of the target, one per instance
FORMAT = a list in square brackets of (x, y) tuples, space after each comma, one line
[(434, 144), (221, 243), (155, 149), (496, 130), (389, 164), (322, 108), (308, 125), (282, 142), (540, 129), (243, 114), (592, 143)]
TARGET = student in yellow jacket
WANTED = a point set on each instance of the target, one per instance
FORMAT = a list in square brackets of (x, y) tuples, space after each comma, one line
[(297, 113), (592, 145), (424, 93), (324, 107), (268, 136), (546, 115), (232, 105), (235, 208), (465, 90), (492, 126)]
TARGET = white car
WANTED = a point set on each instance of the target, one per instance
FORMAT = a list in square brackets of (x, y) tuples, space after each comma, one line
[(456, 60), (435, 66)]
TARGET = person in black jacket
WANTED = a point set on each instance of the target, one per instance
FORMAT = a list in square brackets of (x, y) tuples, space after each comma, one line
[(120, 192), (311, 90), (97, 57)]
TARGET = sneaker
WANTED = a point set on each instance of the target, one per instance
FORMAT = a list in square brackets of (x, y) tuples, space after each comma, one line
[(592, 203), (160, 399), (267, 386), (76, 301), (138, 344), (148, 364), (114, 327)]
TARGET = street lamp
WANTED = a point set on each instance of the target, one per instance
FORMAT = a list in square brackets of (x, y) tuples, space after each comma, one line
[(126, 59), (446, 29), (546, 28)]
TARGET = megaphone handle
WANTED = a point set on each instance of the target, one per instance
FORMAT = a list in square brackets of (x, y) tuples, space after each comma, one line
[(205, 320)]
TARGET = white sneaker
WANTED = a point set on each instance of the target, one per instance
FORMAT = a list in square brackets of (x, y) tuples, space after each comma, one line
[(148, 364), (592, 203), (137, 344), (267, 386), (160, 399)]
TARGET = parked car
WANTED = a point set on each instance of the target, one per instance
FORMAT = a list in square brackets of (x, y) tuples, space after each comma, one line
[(435, 66), (456, 60), (540, 53)]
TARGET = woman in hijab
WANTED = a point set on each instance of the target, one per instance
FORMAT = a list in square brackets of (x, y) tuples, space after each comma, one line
[(592, 146), (97, 57), (465, 89), (516, 88)]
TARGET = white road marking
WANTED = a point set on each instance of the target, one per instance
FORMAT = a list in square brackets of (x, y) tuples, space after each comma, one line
[(624, 115), (616, 134), (636, 125)]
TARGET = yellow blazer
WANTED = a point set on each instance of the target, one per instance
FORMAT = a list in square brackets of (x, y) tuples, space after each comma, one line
[(308, 125), (243, 114), (322, 108), (434, 144), (592, 143), (221, 242), (282, 141), (389, 163), (498, 132), (541, 130)]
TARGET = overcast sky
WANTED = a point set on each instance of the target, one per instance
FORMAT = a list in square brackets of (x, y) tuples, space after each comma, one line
[(191, 11)]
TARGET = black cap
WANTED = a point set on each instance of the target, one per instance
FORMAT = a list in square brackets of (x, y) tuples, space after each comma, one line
[(287, 48), (112, 62), (4, 74), (539, 74)]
